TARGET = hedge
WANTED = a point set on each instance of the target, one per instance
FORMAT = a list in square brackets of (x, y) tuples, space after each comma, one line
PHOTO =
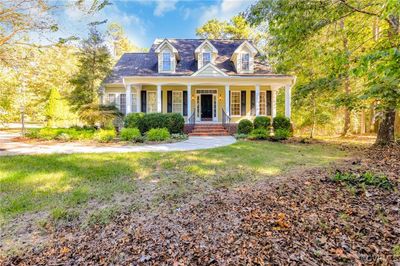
[(262, 122), (245, 126), (174, 122)]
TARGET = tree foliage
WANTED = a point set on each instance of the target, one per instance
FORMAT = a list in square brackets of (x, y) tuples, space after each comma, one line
[(94, 64)]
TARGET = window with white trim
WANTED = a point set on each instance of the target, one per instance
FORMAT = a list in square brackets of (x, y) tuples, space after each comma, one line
[(134, 101), (246, 61), (235, 103), (166, 63), (111, 99), (206, 58), (263, 101), (122, 103), (177, 102), (151, 102)]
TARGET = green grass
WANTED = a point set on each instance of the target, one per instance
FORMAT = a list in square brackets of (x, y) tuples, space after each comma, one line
[(62, 184)]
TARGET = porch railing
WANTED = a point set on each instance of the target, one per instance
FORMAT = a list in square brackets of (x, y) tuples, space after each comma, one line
[(192, 121), (226, 120)]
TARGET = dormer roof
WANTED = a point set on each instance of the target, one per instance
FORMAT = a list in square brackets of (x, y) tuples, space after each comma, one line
[(206, 43), (166, 43), (246, 44)]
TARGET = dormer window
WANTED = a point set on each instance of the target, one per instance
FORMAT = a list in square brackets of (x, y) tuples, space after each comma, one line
[(206, 58), (166, 64), (246, 62)]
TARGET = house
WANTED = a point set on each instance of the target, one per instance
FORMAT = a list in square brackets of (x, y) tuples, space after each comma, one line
[(207, 81)]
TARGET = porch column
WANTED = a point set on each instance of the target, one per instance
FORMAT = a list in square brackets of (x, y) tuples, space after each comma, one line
[(159, 98), (273, 94), (128, 98), (138, 100), (288, 100), (257, 100), (227, 100), (189, 100)]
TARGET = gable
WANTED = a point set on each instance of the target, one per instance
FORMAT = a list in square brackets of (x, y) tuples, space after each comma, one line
[(209, 70)]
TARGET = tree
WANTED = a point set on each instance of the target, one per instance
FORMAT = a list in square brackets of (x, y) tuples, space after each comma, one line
[(94, 65), (293, 25), (212, 29), (120, 42)]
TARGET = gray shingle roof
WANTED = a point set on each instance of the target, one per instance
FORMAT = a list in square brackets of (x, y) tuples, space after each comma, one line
[(145, 64)]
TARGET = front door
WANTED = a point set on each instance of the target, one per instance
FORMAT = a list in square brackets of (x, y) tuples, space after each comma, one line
[(206, 107)]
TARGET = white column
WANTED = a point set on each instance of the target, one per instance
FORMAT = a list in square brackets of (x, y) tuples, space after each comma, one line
[(257, 100), (227, 109), (273, 94), (159, 98), (138, 99), (288, 100), (128, 99), (189, 100)]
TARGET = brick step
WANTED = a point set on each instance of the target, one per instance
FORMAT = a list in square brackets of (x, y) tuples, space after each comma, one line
[(198, 126), (209, 134), (209, 130)]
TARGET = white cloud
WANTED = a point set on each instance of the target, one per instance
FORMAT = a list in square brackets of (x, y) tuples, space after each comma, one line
[(224, 10), (164, 6)]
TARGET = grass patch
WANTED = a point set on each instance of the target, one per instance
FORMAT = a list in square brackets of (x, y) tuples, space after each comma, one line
[(396, 251), (365, 179), (58, 183)]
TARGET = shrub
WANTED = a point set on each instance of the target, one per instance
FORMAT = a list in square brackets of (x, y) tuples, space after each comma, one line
[(245, 126), (105, 135), (281, 122), (359, 180), (281, 134), (262, 122), (153, 120), (179, 136), (241, 136), (131, 134), (64, 134), (176, 123), (158, 134), (259, 133), (132, 120)]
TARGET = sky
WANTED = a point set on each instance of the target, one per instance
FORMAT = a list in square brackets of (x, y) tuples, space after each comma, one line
[(146, 20)]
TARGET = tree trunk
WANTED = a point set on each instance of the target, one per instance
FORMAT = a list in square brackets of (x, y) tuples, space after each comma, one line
[(386, 128), (362, 123), (314, 118), (347, 90)]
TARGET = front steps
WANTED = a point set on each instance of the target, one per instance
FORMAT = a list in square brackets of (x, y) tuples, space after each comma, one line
[(209, 130)]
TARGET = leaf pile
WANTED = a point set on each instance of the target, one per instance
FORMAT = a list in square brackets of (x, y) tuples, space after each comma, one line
[(302, 219)]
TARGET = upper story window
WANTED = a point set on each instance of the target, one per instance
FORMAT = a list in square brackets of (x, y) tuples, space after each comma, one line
[(206, 58), (246, 61), (166, 64)]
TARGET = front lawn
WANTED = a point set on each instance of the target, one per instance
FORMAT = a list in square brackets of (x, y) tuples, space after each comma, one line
[(89, 187)]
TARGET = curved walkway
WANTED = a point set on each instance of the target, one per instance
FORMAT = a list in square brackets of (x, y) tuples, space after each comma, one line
[(9, 147)]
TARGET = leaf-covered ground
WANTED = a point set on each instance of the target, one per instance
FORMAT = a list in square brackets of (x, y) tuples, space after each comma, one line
[(301, 218)]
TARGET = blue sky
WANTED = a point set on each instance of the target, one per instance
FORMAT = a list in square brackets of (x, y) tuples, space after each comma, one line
[(145, 20)]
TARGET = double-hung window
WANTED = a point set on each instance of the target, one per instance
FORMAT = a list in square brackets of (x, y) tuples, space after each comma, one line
[(122, 103), (151, 101), (134, 107), (166, 61), (111, 99), (177, 102), (235, 103), (263, 103), (246, 61), (206, 58)]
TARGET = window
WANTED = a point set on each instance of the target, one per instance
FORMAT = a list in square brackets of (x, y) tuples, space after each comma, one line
[(166, 56), (235, 103), (177, 102), (151, 102), (122, 103), (246, 61), (206, 58), (134, 102), (263, 100), (111, 99)]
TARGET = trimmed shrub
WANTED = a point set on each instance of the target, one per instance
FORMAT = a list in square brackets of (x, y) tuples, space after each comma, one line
[(105, 135), (281, 134), (179, 136), (258, 134), (132, 120), (158, 134), (176, 123), (245, 126), (281, 122), (64, 134), (130, 134), (241, 136), (262, 122), (153, 120)]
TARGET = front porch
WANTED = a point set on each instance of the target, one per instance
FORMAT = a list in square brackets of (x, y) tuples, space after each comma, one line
[(200, 99)]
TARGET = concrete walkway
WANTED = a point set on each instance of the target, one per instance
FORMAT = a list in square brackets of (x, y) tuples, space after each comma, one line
[(9, 147)]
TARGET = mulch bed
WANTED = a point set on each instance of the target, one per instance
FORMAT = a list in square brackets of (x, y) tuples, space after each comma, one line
[(304, 218)]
